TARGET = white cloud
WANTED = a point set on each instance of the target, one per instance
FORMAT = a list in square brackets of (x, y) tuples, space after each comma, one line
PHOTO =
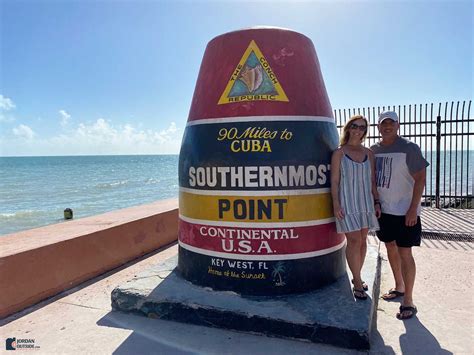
[(23, 132), (167, 134), (99, 137), (64, 117), (6, 104)]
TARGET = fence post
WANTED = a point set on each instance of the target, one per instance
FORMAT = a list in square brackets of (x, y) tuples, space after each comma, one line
[(438, 160)]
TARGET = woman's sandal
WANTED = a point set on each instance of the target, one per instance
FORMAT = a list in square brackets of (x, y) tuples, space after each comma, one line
[(364, 285), (359, 294), (392, 294), (402, 315)]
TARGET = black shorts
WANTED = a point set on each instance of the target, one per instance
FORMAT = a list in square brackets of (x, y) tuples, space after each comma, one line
[(393, 228)]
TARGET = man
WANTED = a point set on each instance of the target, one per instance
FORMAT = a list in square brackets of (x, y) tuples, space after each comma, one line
[(400, 172)]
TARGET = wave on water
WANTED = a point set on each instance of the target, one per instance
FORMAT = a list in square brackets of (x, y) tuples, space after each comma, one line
[(20, 214), (112, 184), (152, 181)]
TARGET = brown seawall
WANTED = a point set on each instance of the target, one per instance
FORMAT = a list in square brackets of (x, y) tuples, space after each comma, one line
[(39, 263)]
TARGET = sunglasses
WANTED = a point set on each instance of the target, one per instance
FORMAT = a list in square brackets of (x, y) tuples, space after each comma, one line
[(362, 128)]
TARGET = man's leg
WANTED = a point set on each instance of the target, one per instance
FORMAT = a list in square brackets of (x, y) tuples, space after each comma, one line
[(395, 264), (412, 237), (408, 268)]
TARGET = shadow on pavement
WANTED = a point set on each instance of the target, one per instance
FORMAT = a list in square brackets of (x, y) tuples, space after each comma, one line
[(419, 340), (149, 336), (377, 344), (156, 336)]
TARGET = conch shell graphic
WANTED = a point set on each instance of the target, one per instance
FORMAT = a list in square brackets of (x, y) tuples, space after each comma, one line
[(252, 77)]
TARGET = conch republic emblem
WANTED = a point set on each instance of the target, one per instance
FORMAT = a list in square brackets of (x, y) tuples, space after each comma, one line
[(255, 211)]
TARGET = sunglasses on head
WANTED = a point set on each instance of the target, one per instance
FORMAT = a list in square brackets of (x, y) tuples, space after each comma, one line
[(356, 126)]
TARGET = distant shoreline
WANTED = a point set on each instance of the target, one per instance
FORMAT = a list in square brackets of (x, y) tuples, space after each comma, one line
[(153, 155)]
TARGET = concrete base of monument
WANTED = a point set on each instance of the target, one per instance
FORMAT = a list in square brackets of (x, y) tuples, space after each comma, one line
[(328, 315)]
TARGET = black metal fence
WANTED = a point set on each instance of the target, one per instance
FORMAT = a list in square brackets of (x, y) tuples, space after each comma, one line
[(445, 134)]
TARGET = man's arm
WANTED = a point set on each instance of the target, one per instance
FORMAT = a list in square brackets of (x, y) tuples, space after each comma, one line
[(420, 180)]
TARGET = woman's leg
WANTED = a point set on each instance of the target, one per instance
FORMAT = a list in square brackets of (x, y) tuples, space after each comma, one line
[(353, 256), (363, 245)]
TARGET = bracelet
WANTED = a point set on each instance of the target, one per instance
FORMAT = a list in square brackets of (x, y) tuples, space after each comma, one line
[(377, 202)]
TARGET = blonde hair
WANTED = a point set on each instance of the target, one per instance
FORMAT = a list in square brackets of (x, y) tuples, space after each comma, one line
[(345, 131)]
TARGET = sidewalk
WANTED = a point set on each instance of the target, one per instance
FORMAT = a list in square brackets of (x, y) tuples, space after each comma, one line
[(444, 298), (81, 321)]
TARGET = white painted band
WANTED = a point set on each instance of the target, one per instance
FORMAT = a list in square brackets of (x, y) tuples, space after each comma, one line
[(254, 193), (261, 118), (262, 257), (258, 224)]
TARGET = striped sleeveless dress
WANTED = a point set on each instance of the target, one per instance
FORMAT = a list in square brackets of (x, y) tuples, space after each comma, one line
[(355, 196)]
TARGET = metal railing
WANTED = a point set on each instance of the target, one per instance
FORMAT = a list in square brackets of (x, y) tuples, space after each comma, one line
[(445, 134)]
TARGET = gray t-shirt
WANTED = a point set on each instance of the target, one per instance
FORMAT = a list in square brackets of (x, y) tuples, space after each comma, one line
[(394, 165)]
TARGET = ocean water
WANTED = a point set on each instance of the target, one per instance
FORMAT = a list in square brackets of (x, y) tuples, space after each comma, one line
[(456, 173), (34, 191)]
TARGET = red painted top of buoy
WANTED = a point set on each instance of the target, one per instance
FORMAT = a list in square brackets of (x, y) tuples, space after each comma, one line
[(293, 60)]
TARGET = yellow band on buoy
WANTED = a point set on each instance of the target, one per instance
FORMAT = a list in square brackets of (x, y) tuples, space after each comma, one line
[(272, 208)]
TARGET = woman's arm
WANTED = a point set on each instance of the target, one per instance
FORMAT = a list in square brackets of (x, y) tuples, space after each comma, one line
[(335, 178), (375, 193)]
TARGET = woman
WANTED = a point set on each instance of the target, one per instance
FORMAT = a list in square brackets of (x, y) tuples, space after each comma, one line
[(354, 195)]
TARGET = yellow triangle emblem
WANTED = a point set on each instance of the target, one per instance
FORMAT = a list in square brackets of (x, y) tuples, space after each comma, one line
[(253, 80)]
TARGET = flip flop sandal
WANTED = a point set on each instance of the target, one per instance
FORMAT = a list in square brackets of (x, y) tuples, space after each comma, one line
[(392, 294), (410, 309), (364, 285), (357, 294)]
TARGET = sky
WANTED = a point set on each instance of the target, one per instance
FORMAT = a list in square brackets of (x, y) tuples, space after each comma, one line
[(117, 77)]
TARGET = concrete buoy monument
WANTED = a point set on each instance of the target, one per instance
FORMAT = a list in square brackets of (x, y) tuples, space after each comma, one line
[(254, 169)]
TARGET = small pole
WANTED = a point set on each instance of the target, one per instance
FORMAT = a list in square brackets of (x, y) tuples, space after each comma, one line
[(438, 160), (68, 213)]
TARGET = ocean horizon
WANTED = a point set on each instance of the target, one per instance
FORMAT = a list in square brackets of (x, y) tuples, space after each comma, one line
[(35, 190)]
